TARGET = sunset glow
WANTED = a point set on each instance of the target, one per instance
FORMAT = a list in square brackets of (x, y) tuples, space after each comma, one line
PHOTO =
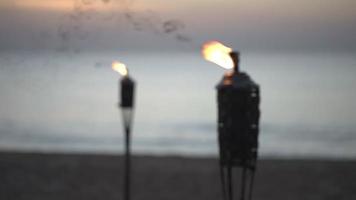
[(45, 5), (70, 5)]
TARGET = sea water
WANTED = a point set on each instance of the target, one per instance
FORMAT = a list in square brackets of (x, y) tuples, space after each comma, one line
[(67, 102)]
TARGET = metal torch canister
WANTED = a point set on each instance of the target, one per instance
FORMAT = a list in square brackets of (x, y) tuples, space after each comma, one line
[(127, 92), (238, 118)]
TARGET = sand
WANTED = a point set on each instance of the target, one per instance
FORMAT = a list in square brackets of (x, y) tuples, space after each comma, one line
[(34, 176)]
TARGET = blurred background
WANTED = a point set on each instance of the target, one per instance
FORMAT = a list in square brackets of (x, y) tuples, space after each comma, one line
[(59, 94)]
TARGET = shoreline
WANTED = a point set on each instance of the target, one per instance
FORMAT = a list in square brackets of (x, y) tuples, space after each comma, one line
[(269, 157)]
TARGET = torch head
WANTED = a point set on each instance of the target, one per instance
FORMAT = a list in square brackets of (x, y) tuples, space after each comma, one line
[(127, 101), (127, 92), (238, 119)]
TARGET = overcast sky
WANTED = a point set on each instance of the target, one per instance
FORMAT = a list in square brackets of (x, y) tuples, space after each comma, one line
[(253, 25)]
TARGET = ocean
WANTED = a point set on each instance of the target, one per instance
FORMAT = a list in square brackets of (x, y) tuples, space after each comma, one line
[(67, 102)]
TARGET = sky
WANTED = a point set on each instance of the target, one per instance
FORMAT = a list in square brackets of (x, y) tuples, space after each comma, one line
[(178, 25)]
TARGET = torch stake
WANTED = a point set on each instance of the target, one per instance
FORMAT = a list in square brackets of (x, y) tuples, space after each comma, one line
[(127, 164), (243, 178), (229, 178), (252, 176), (223, 184)]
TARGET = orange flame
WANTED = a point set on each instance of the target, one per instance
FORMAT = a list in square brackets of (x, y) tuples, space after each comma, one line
[(218, 53), (120, 68)]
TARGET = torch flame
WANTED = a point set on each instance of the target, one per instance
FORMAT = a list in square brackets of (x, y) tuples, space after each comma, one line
[(218, 53), (120, 68)]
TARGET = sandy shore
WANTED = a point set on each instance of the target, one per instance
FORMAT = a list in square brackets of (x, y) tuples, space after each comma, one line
[(88, 177)]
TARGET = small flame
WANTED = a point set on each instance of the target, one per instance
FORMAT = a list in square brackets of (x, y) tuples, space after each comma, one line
[(218, 53), (120, 68)]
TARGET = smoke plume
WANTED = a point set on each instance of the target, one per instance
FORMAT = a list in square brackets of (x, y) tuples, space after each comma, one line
[(74, 25)]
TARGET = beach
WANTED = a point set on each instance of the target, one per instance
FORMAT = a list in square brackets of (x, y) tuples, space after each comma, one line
[(37, 176), (268, 77)]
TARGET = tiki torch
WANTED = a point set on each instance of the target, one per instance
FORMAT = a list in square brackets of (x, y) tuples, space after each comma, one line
[(238, 119), (126, 96)]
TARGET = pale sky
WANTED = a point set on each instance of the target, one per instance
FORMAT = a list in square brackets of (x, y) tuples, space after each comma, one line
[(254, 25)]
